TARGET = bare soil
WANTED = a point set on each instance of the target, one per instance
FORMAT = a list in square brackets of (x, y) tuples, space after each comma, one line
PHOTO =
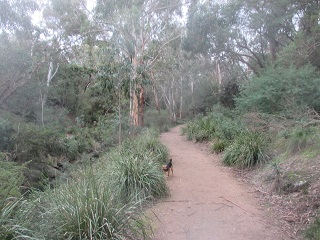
[(207, 201)]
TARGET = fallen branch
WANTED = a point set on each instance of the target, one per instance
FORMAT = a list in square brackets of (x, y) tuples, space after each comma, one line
[(236, 205)]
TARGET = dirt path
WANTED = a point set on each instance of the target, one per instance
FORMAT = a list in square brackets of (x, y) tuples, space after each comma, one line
[(206, 201)]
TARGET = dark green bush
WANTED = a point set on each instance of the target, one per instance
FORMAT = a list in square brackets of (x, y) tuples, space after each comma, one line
[(35, 142), (6, 136), (279, 89), (11, 178)]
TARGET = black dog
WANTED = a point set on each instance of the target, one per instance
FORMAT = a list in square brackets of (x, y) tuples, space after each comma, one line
[(168, 167)]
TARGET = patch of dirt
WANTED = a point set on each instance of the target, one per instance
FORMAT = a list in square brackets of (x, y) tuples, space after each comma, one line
[(297, 207), (207, 201)]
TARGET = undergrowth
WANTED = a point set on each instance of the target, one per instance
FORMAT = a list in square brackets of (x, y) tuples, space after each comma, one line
[(101, 200), (247, 150)]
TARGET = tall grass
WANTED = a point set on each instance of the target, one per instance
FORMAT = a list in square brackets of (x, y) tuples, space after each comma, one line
[(247, 150), (91, 208), (88, 207), (200, 129), (216, 126), (136, 168), (103, 200)]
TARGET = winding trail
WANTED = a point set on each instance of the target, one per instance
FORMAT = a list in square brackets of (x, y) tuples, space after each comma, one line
[(206, 201)]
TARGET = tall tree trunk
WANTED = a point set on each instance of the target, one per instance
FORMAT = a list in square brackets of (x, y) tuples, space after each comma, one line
[(155, 93), (44, 95), (181, 98), (141, 105), (135, 110)]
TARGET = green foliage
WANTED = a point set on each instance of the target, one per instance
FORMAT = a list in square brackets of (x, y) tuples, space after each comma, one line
[(11, 178), (87, 207), (102, 201), (138, 178), (218, 146), (35, 142), (281, 89), (299, 138), (154, 119), (313, 231), (6, 136), (69, 86), (201, 129), (247, 150), (217, 125), (146, 144), (90, 208), (136, 168), (9, 226)]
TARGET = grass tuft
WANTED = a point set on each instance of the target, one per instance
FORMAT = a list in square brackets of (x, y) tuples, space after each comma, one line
[(247, 150)]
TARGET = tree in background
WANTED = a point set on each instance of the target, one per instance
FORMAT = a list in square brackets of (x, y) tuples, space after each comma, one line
[(133, 27)]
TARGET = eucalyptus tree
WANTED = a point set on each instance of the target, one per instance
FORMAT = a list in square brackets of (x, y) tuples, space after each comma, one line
[(138, 29), (249, 32), (17, 41)]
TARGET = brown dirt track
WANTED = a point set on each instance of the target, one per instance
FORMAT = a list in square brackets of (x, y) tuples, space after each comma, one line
[(207, 201)]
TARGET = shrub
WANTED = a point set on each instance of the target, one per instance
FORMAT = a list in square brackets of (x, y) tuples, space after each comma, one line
[(11, 178), (218, 146), (138, 178), (6, 136), (201, 129), (247, 150), (34, 142), (87, 207), (299, 138), (136, 168), (279, 88)]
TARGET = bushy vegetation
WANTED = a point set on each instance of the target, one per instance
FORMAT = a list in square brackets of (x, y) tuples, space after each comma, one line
[(11, 178), (136, 167), (217, 125), (103, 200), (155, 119), (247, 150), (279, 89), (201, 129)]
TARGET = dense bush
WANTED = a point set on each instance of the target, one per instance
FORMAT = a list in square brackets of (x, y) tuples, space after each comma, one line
[(34, 142), (11, 178), (200, 129), (6, 136), (280, 89)]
